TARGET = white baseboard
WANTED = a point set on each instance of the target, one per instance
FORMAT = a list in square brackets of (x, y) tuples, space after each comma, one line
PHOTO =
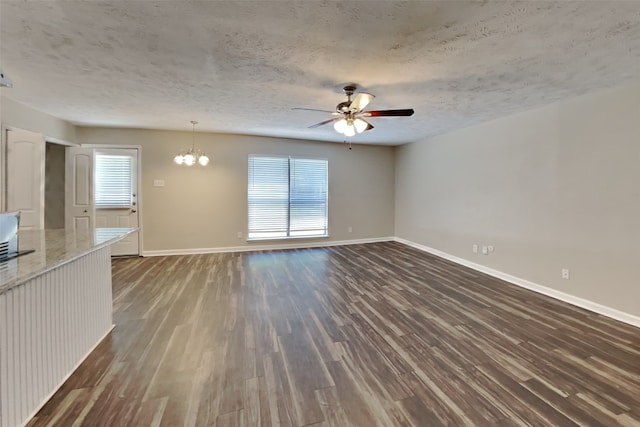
[(61, 383), (265, 247), (571, 299)]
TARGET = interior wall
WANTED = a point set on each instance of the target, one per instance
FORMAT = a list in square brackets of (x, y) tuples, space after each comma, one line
[(16, 115), (205, 207), (554, 188), (20, 116), (54, 189)]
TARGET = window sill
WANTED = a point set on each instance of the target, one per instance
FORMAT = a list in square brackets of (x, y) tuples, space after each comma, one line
[(273, 239)]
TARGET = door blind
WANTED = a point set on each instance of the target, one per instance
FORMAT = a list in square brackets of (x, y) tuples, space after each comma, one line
[(113, 180)]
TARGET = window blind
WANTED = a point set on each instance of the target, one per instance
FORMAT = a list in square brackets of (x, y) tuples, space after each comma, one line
[(113, 178), (308, 197), (287, 197), (268, 197)]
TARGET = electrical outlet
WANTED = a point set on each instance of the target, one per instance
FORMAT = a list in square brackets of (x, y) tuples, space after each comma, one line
[(239, 234), (491, 249), (474, 248), (485, 250), (350, 229), (565, 273), (158, 182)]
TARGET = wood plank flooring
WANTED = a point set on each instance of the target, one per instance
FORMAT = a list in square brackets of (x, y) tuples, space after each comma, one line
[(362, 335)]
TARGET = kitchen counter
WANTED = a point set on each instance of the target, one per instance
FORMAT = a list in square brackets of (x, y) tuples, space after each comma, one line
[(56, 306), (54, 248)]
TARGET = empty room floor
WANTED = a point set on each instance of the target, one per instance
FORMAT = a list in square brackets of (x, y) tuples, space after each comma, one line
[(360, 335)]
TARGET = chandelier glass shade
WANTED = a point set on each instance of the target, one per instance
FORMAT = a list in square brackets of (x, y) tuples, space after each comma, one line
[(192, 156)]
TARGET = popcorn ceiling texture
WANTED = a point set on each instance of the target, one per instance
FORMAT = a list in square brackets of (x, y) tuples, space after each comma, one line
[(239, 67)]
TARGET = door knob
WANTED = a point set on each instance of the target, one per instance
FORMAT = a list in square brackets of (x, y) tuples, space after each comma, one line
[(85, 211), (133, 211)]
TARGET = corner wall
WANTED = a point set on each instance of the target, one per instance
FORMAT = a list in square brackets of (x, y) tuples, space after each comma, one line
[(553, 188), (203, 208)]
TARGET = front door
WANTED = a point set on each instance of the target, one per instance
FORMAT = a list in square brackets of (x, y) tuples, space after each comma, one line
[(116, 196)]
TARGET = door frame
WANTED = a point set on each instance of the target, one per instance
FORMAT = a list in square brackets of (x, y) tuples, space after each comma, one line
[(138, 182)]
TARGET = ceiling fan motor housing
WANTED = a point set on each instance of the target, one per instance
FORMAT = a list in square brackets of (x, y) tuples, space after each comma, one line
[(343, 107)]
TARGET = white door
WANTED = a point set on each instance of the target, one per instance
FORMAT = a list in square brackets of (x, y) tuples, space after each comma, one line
[(79, 210), (116, 196), (25, 177)]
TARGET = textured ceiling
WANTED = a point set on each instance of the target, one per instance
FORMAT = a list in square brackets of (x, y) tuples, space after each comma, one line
[(239, 66)]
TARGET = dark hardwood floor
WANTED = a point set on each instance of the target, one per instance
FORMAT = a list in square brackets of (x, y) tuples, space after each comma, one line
[(363, 335)]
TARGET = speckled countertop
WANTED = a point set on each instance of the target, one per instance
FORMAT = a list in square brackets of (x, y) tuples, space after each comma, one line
[(53, 248)]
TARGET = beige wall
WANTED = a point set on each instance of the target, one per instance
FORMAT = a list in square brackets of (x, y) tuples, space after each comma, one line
[(14, 114), (205, 207), (558, 187)]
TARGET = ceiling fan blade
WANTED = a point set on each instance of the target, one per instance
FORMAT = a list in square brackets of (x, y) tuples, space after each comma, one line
[(313, 109), (369, 126), (360, 102), (389, 113), (324, 123)]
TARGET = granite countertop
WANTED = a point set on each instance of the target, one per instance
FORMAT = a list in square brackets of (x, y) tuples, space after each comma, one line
[(54, 248)]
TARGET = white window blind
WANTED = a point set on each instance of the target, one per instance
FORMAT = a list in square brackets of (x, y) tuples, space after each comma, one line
[(113, 180), (287, 197)]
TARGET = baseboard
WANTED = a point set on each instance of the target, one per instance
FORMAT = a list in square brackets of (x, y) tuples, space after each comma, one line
[(264, 247), (46, 399), (571, 299)]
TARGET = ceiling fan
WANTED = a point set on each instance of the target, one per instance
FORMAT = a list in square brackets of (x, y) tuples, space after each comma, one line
[(350, 114)]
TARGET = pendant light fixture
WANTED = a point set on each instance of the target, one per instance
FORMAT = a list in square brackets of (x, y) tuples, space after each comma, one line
[(192, 156)]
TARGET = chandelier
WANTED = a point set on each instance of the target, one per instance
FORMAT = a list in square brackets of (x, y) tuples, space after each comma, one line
[(192, 156)]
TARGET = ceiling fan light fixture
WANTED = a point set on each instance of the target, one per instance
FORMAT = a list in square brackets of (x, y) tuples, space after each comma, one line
[(203, 160), (360, 125), (179, 159), (340, 125), (350, 130)]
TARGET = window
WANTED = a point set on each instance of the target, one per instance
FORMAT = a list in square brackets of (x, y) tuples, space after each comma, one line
[(113, 180), (287, 197)]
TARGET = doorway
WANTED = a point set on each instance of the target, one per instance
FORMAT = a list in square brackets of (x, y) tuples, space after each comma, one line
[(54, 196), (102, 191)]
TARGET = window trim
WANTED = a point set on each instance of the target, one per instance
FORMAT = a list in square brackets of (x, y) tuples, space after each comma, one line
[(288, 238)]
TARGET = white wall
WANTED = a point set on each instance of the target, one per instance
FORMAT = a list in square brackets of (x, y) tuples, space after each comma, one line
[(552, 188), (202, 208)]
